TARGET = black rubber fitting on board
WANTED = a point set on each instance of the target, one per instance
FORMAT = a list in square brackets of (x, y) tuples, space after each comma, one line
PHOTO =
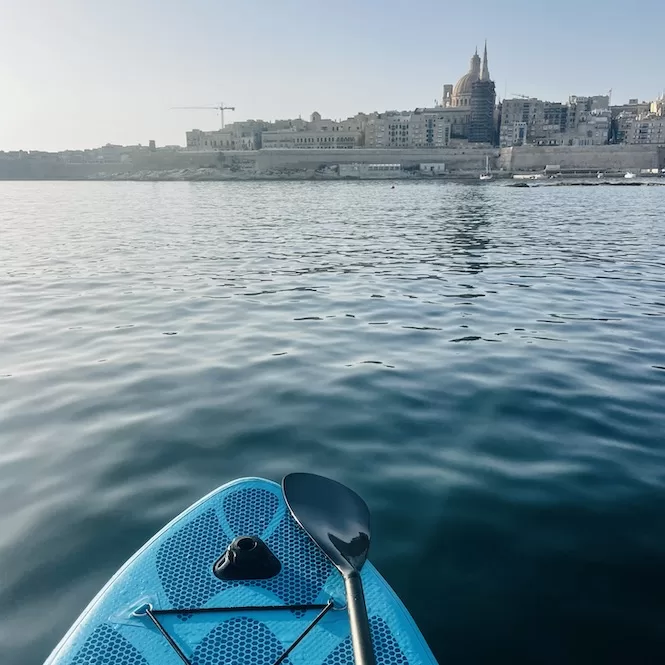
[(247, 558)]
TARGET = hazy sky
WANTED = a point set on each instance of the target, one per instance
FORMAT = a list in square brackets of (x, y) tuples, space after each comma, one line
[(81, 73)]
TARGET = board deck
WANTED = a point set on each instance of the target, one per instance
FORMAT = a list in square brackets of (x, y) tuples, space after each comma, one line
[(174, 571)]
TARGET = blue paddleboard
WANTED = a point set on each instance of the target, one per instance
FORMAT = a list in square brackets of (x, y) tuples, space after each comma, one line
[(180, 599)]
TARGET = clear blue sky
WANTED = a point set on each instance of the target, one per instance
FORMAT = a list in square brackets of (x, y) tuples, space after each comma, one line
[(81, 73)]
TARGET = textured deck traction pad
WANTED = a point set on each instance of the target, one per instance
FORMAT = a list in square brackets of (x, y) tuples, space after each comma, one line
[(174, 571)]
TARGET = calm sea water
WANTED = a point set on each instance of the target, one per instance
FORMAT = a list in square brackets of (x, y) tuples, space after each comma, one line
[(485, 365)]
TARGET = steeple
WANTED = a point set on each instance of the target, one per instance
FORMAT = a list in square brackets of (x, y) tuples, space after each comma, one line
[(475, 63), (485, 74)]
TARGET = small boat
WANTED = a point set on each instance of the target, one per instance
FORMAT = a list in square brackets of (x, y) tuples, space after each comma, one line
[(600, 174), (487, 175), (528, 176), (629, 174)]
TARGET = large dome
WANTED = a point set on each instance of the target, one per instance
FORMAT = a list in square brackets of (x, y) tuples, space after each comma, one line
[(462, 90), (463, 86)]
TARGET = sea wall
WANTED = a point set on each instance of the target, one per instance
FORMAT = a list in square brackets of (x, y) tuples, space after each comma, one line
[(455, 159), (604, 157), (303, 163), (240, 161), (30, 167)]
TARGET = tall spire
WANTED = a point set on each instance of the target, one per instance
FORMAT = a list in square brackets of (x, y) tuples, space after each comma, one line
[(475, 64), (485, 74)]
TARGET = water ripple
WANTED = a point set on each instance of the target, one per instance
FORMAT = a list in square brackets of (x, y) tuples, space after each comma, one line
[(485, 368)]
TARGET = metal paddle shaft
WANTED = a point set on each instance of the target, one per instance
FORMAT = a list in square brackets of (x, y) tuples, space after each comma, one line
[(363, 652), (337, 521)]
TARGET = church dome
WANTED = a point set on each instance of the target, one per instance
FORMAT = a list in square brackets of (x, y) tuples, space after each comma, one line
[(463, 86)]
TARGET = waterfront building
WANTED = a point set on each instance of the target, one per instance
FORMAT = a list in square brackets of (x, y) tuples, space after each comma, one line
[(580, 109), (319, 133), (582, 121), (473, 98), (433, 168), (622, 126), (311, 138), (555, 119), (373, 171), (647, 130), (594, 129), (639, 122), (521, 121), (467, 112), (634, 107), (657, 107), (295, 133), (513, 134), (421, 128), (244, 135), (624, 117)]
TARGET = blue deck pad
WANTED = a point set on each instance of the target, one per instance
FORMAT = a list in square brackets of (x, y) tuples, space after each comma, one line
[(174, 570)]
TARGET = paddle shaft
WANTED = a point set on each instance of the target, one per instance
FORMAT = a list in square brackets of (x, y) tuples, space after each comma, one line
[(363, 654)]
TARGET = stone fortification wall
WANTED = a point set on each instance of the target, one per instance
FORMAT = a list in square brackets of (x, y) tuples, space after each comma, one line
[(454, 158), (604, 157), (32, 168), (275, 162)]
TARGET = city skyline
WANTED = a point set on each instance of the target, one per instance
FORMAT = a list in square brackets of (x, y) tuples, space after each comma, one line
[(81, 75)]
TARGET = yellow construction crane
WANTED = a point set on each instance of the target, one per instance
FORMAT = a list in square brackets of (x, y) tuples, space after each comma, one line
[(221, 108)]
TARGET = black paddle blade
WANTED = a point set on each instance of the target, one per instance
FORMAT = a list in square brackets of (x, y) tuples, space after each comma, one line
[(332, 515)]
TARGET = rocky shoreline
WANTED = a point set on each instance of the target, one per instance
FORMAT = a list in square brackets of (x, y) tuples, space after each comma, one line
[(219, 175)]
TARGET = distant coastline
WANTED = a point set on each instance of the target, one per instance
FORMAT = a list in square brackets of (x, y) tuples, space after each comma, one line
[(338, 165)]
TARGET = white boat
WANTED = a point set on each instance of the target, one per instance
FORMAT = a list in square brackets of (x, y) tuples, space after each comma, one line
[(528, 176), (487, 175), (600, 174), (629, 174)]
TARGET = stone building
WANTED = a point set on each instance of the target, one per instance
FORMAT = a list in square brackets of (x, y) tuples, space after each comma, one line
[(647, 127), (555, 119), (582, 121), (633, 107), (521, 121), (625, 119), (235, 136), (473, 98), (311, 138), (647, 130), (483, 101), (422, 128), (319, 133)]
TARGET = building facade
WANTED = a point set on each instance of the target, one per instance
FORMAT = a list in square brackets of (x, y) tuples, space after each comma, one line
[(311, 138), (295, 133), (638, 122), (467, 112), (648, 130), (582, 121), (473, 99), (521, 121), (235, 136), (318, 133), (422, 128)]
